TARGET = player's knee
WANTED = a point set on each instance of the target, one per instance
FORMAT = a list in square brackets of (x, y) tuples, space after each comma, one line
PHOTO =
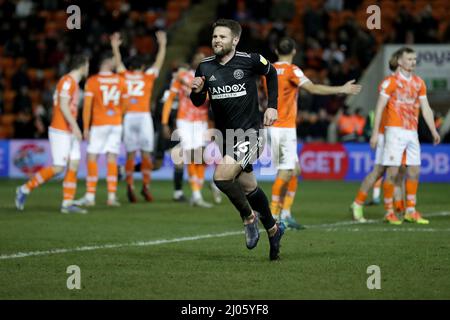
[(111, 157), (249, 187), (58, 169), (74, 164), (413, 172), (285, 175), (223, 185)]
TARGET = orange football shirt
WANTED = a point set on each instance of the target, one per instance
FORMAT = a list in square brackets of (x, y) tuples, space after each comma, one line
[(67, 87), (290, 78), (403, 106), (109, 94), (139, 89), (181, 86)]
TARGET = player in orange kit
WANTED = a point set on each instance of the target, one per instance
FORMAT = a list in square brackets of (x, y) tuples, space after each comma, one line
[(64, 136), (192, 124), (403, 94), (283, 135), (104, 102), (138, 123), (375, 176)]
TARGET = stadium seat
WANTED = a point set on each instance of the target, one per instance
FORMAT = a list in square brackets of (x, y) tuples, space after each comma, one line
[(49, 75), (35, 96), (150, 18), (8, 100)]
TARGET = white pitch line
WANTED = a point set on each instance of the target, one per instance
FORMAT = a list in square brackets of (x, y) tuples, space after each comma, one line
[(329, 226), (117, 245), (386, 230), (348, 223)]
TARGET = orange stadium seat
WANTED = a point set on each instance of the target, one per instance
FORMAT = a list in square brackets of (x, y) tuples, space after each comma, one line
[(6, 63), (150, 18), (6, 131), (32, 74), (7, 119), (8, 99), (35, 97), (49, 74)]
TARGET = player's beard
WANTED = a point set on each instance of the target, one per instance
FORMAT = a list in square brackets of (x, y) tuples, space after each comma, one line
[(223, 51)]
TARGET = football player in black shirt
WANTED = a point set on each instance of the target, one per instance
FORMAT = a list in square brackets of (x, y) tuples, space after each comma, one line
[(229, 78)]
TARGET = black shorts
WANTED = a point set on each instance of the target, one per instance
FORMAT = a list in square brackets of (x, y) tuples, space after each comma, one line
[(245, 148)]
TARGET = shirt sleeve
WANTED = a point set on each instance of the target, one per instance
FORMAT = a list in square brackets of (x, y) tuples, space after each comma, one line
[(260, 65), (298, 78), (152, 71), (67, 88), (199, 98), (89, 88), (387, 87)]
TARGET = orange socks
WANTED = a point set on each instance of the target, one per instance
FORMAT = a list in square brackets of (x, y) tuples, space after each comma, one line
[(69, 185), (111, 178), (388, 191), (129, 170), (361, 197), (290, 193), (92, 177), (411, 191), (146, 169), (39, 178), (193, 178), (277, 189), (200, 168)]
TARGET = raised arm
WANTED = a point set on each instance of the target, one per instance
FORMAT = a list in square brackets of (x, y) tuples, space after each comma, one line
[(161, 37), (116, 41)]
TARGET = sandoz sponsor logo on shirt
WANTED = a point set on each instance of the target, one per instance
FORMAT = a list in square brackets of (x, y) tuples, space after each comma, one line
[(224, 92)]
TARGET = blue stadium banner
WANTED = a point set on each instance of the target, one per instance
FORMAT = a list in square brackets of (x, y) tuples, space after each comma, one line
[(318, 161), (353, 161), (4, 158)]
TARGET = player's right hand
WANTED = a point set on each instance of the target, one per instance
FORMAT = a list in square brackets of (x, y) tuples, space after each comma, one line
[(436, 138), (373, 141), (197, 84), (77, 133), (166, 131), (86, 134)]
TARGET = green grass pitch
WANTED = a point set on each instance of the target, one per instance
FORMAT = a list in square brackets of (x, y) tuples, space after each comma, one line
[(167, 250)]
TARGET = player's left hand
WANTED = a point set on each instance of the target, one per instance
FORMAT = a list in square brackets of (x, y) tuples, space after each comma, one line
[(270, 116), (115, 39), (436, 138), (161, 37)]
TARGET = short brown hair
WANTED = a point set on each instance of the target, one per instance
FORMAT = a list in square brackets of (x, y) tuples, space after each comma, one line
[(234, 26), (393, 61)]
